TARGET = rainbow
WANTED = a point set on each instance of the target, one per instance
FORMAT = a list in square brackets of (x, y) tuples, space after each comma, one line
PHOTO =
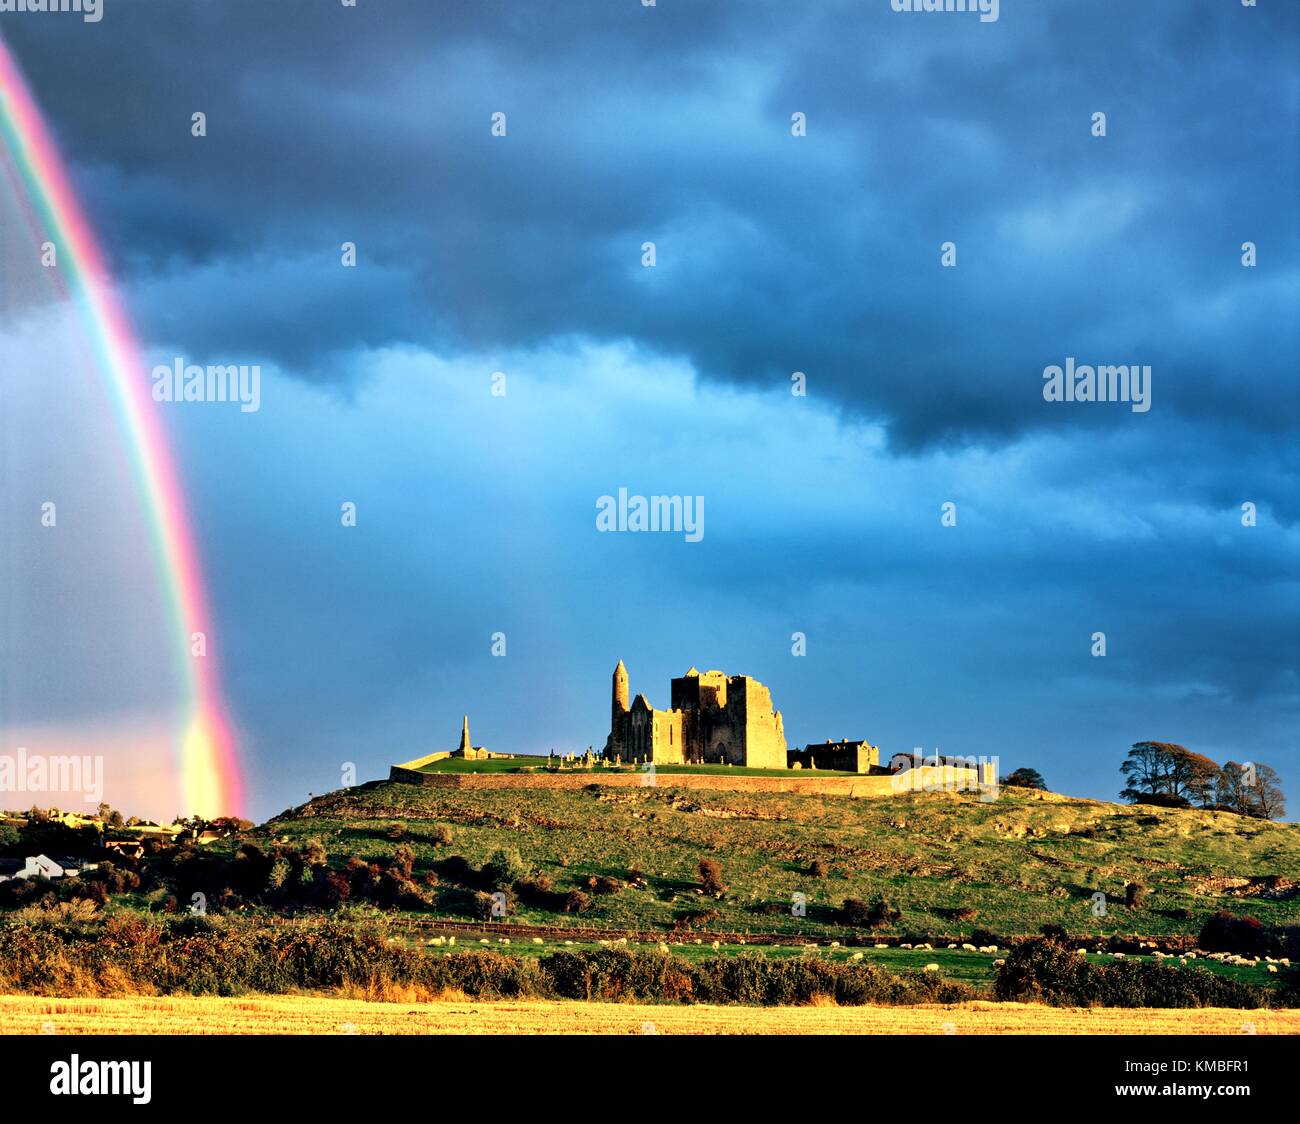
[(210, 781)]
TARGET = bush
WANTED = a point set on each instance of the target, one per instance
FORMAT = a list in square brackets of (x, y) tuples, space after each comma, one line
[(817, 869), (1226, 932), (404, 858), (1045, 971), (1163, 800), (440, 836), (537, 892), (1135, 895), (603, 885), (856, 912), (458, 869), (861, 915), (485, 903), (695, 918), (711, 876), (965, 913), (575, 901), (504, 868)]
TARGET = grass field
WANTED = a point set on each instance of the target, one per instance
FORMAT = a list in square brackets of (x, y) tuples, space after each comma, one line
[(975, 968), (456, 1015), (1019, 862)]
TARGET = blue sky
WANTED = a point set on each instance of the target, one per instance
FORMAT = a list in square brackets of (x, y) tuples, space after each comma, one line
[(775, 254)]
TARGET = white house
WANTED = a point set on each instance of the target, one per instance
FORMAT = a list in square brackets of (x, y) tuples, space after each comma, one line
[(42, 866)]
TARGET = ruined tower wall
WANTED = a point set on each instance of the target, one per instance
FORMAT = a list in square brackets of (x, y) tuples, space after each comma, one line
[(757, 732)]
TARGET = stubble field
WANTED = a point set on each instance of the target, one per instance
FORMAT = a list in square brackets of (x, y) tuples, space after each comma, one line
[(457, 1015)]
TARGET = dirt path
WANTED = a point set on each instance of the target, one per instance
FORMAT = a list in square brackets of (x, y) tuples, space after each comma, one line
[(319, 1015)]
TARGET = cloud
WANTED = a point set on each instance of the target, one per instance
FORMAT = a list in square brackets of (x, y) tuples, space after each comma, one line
[(818, 254)]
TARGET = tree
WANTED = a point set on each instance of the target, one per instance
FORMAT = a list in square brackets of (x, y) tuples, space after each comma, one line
[(1164, 769), (1145, 769), (1230, 788), (1026, 778), (1193, 776), (1262, 797)]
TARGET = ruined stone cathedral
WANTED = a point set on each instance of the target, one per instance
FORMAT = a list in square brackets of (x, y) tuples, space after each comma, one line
[(713, 719)]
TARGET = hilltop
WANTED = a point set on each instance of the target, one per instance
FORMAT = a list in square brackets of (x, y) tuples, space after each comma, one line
[(947, 862)]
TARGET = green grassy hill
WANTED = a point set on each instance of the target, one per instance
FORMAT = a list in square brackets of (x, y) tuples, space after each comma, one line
[(1023, 861)]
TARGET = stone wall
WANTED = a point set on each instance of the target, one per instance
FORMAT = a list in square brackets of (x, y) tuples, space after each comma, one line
[(928, 778)]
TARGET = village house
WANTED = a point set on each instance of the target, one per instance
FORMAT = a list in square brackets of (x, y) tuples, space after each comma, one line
[(42, 866)]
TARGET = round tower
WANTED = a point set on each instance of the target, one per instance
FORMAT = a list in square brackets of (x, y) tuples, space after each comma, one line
[(622, 699)]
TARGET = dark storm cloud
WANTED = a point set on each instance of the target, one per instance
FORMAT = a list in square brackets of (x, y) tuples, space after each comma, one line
[(671, 124)]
